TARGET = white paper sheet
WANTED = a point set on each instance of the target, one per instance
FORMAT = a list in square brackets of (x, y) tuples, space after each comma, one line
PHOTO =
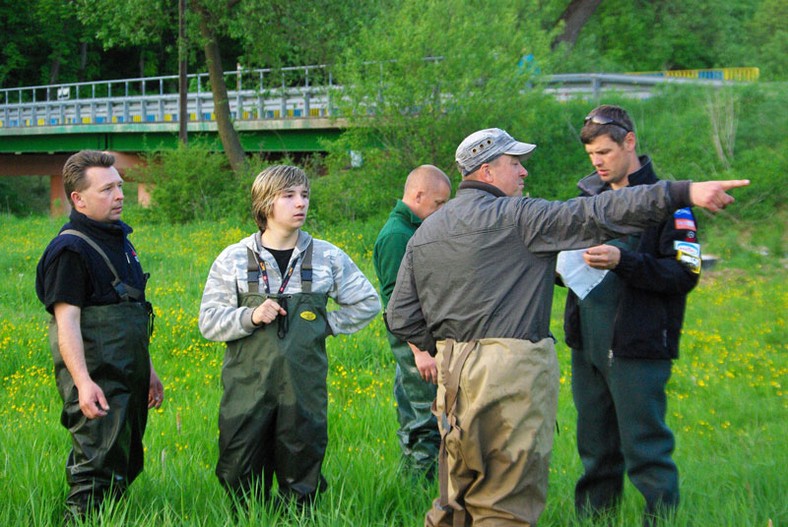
[(576, 274)]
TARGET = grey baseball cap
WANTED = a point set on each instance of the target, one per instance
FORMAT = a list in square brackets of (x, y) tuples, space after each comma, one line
[(486, 145)]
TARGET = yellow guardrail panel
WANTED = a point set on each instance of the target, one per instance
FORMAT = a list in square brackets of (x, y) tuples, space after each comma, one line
[(746, 74)]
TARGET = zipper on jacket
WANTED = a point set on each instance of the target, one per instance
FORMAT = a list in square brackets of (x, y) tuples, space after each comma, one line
[(610, 358)]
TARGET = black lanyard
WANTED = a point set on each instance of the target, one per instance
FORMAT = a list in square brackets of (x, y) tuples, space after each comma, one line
[(285, 277)]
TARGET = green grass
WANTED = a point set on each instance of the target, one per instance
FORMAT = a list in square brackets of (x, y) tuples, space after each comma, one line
[(727, 399)]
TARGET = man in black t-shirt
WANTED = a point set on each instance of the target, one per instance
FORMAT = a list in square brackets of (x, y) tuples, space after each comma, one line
[(90, 279)]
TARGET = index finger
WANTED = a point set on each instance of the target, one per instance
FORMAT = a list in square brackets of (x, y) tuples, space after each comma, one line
[(734, 183)]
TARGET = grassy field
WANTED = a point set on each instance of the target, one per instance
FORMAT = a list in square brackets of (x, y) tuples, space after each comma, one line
[(727, 401)]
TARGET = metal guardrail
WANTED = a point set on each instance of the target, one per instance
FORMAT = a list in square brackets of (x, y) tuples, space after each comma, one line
[(572, 85), (299, 92), (305, 92), (747, 74)]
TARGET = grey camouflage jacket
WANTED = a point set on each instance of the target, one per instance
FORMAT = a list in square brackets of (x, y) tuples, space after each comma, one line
[(334, 273)]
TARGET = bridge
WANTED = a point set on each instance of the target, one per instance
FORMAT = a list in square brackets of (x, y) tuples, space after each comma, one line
[(287, 110)]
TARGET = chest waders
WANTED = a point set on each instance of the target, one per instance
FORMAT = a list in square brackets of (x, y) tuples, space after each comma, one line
[(107, 452), (273, 413), (598, 313)]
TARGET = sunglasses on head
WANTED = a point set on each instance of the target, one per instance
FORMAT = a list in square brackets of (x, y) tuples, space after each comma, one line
[(602, 120)]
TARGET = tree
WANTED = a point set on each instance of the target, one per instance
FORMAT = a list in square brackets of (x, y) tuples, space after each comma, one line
[(420, 78), (574, 18), (208, 22), (142, 22), (35, 53), (267, 33)]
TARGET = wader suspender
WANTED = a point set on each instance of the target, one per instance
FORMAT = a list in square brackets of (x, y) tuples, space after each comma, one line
[(253, 273), (449, 421), (126, 292)]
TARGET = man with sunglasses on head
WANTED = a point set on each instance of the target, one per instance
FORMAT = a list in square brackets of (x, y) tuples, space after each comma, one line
[(624, 334), (475, 288)]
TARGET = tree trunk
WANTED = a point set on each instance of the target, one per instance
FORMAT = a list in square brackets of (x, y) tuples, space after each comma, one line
[(83, 60), (575, 17), (221, 104), (54, 71)]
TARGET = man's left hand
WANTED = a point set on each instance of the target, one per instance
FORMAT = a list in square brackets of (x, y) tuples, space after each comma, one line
[(155, 390)]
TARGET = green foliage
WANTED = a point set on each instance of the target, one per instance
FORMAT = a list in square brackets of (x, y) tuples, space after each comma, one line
[(194, 183), (749, 124), (136, 23), (23, 196), (190, 183), (768, 41), (623, 35), (422, 77), (41, 44)]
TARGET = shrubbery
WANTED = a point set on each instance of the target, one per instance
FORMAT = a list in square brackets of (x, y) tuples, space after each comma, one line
[(189, 183), (697, 133)]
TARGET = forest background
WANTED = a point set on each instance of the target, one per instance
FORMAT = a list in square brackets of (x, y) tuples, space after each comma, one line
[(451, 67)]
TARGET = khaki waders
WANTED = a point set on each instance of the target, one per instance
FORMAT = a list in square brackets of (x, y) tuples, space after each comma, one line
[(496, 406)]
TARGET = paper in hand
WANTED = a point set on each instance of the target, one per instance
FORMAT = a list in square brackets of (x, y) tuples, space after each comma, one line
[(576, 274)]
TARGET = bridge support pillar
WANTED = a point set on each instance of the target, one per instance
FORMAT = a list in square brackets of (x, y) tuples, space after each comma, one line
[(143, 196), (58, 201)]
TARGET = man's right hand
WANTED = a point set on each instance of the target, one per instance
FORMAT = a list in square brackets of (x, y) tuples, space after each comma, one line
[(267, 312), (425, 363), (711, 195)]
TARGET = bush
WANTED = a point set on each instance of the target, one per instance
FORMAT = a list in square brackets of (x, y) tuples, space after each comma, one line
[(24, 195), (190, 183)]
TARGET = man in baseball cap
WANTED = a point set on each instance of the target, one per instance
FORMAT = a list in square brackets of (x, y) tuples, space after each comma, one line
[(475, 288), (487, 145)]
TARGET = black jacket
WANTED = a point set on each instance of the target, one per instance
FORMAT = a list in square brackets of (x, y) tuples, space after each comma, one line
[(87, 276), (651, 310)]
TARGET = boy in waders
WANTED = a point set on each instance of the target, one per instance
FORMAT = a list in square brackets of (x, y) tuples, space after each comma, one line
[(266, 296)]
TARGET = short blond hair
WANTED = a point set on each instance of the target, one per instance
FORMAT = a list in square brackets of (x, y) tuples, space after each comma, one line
[(268, 185)]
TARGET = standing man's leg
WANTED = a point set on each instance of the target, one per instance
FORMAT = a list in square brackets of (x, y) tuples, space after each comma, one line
[(638, 387), (499, 450), (601, 485), (418, 433)]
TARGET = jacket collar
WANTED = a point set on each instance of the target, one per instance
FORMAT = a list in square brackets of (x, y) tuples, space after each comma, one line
[(96, 229), (593, 184), (255, 242), (479, 185), (404, 212)]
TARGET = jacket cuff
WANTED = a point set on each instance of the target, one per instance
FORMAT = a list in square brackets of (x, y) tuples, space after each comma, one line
[(625, 263), (246, 321), (679, 192)]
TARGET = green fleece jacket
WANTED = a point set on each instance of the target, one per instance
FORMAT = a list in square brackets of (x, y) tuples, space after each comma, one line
[(390, 247)]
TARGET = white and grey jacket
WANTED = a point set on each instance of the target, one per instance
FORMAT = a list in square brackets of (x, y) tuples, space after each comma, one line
[(334, 273)]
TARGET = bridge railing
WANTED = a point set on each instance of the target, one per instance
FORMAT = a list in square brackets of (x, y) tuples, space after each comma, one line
[(296, 92), (304, 92)]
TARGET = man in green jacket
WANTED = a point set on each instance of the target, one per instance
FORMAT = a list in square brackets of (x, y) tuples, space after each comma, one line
[(427, 188)]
